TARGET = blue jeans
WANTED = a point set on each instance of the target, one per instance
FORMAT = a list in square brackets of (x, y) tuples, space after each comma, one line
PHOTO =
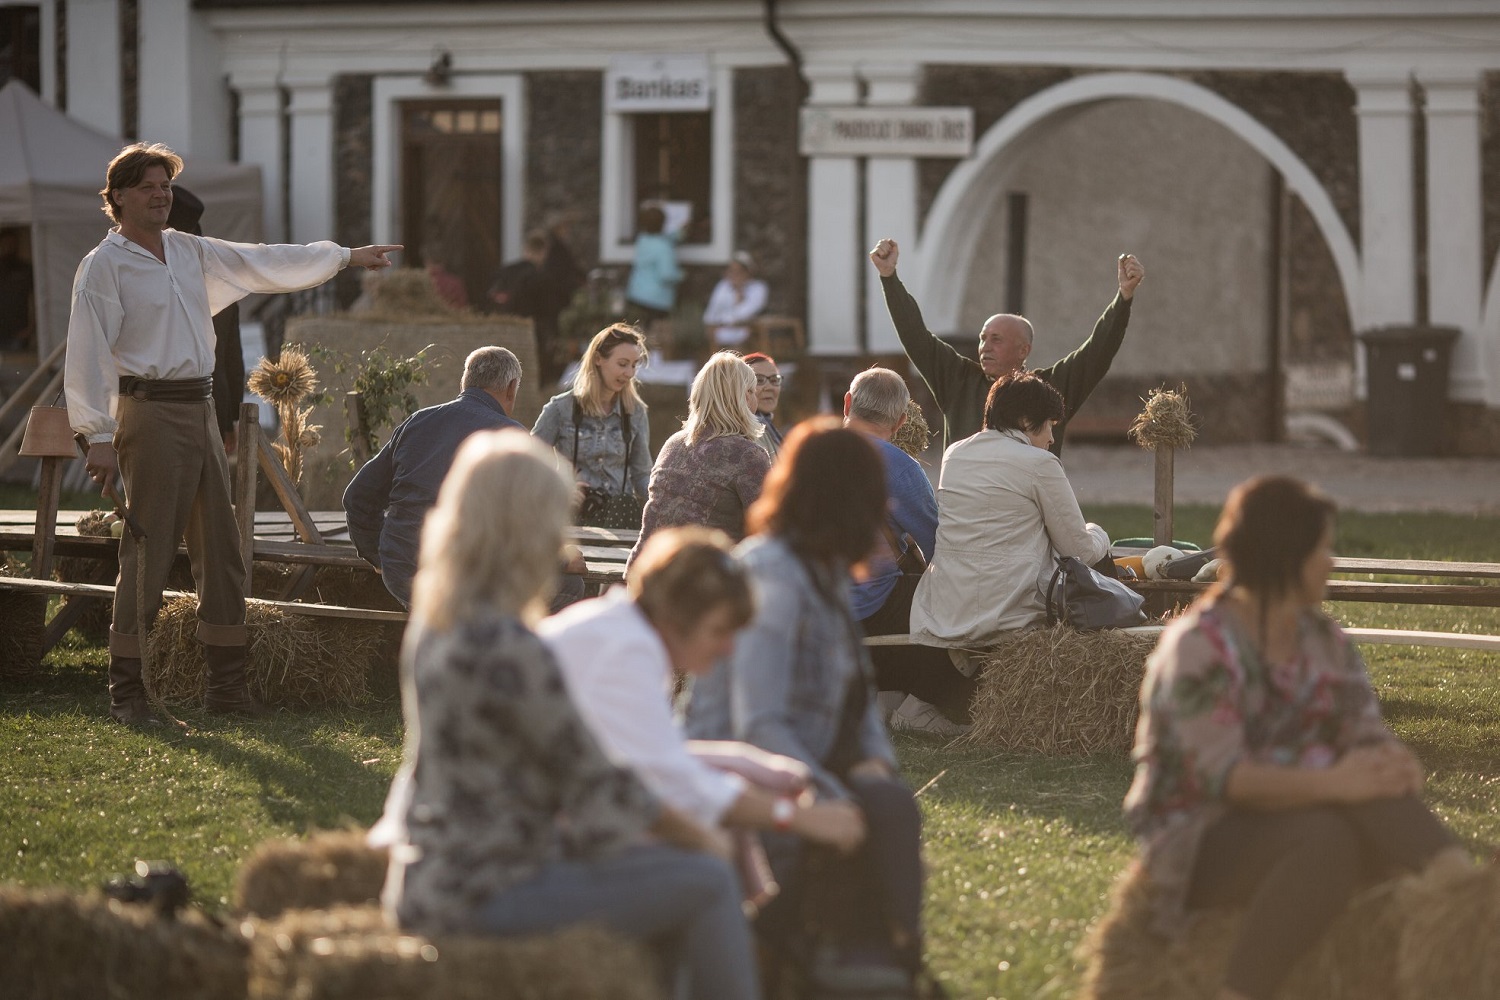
[(686, 901)]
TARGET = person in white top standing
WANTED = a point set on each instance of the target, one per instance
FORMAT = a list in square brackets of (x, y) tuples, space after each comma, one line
[(738, 298), (139, 383)]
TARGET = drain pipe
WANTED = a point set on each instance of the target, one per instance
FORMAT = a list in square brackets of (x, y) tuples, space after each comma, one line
[(793, 56)]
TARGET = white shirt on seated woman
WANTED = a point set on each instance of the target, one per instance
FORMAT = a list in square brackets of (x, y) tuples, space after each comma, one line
[(685, 601), (737, 299), (1005, 510)]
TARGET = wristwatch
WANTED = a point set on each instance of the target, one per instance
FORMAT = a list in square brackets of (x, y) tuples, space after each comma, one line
[(783, 811)]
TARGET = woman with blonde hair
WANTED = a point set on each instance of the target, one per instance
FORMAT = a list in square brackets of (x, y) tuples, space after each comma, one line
[(601, 426), (710, 472), (508, 819)]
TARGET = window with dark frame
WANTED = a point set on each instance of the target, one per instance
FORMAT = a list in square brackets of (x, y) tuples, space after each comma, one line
[(21, 45), (673, 162)]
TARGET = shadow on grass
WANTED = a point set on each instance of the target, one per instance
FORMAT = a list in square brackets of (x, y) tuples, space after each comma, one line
[(1084, 792)]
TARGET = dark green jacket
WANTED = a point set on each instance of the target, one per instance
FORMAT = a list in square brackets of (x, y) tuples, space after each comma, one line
[(960, 386)]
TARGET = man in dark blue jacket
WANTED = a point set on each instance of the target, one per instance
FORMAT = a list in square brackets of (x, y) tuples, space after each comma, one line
[(391, 495)]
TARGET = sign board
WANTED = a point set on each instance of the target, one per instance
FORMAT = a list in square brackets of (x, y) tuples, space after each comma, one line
[(887, 131), (637, 83)]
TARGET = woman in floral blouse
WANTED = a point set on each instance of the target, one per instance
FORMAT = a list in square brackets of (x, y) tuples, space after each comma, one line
[(508, 818), (1265, 777), (711, 471)]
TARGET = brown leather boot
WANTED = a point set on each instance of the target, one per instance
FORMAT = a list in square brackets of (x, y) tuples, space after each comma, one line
[(128, 703), (227, 692)]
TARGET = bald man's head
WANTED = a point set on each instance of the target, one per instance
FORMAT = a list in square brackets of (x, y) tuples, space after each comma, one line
[(1004, 344)]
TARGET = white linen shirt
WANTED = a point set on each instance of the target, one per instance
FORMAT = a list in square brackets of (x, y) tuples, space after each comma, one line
[(620, 678), (1005, 507), (728, 311), (134, 315)]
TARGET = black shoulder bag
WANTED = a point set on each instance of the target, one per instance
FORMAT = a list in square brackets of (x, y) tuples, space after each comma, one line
[(601, 508), (1087, 599)]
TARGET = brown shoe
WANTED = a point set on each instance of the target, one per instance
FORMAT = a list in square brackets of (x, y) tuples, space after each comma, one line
[(136, 714), (227, 692)]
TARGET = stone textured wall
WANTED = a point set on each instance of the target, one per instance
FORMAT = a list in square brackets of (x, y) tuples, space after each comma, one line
[(353, 141), (564, 153), (1313, 113), (770, 197), (1490, 166)]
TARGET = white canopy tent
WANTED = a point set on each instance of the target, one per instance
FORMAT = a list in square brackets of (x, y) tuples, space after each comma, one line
[(51, 170)]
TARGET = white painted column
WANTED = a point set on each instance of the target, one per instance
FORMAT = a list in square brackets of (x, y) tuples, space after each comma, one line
[(165, 89), (261, 144), (1455, 242), (47, 12), (94, 96), (890, 200), (1388, 291), (311, 188), (833, 234)]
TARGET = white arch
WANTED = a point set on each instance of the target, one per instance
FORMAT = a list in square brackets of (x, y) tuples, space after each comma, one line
[(952, 229)]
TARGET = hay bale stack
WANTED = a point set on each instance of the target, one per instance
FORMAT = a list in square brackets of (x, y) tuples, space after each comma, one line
[(1416, 938), (329, 868), (1450, 935), (294, 660), (1056, 690), (23, 622), (93, 625), (350, 953), (63, 946)]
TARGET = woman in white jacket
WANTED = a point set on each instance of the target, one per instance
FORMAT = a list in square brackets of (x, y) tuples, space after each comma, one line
[(1005, 509)]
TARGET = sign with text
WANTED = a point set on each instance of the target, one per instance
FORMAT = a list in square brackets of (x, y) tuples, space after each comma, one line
[(893, 131), (656, 83)]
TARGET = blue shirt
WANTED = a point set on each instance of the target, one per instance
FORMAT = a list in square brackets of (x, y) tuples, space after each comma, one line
[(655, 274), (388, 498), (913, 511)]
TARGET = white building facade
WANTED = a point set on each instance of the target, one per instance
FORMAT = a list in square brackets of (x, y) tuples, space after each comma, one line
[(1291, 173)]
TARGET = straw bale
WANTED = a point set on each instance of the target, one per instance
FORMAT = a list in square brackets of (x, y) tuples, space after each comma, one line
[(23, 621), (914, 435), (93, 624), (1450, 939), (1436, 934), (351, 953), (294, 660), (1166, 422), (61, 946), (1057, 690), (329, 868)]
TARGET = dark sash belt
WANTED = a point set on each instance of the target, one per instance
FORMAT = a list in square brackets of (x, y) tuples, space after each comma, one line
[(167, 390)]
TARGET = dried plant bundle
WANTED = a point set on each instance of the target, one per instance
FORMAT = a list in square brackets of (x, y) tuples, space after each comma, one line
[(1166, 422)]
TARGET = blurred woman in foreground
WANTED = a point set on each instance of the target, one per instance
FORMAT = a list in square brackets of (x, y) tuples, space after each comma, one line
[(509, 819), (1265, 777), (799, 683)]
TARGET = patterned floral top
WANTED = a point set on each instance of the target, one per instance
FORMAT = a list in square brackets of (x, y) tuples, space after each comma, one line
[(1208, 702), (501, 775), (711, 483)]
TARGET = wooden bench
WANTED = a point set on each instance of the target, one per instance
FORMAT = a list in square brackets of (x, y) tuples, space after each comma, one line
[(1385, 636)]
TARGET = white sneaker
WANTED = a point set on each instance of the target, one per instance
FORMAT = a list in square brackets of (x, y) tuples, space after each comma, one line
[(916, 716), (890, 701)]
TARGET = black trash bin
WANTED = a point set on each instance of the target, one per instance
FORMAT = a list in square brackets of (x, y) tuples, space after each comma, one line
[(1407, 373)]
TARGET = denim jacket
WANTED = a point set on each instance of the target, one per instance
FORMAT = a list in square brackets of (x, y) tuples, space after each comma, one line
[(783, 687), (602, 462)]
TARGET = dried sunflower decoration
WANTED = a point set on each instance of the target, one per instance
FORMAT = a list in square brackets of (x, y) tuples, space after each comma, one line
[(1166, 422), (284, 383), (914, 435)]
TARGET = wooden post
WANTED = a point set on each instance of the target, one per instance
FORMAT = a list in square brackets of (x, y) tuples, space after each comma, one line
[(245, 473), (1162, 512), (359, 440), (46, 518)]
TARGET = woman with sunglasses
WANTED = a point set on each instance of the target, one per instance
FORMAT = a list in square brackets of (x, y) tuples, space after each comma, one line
[(768, 380), (601, 424), (710, 472)]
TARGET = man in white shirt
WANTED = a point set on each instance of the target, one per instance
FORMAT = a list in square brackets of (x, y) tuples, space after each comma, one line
[(139, 381)]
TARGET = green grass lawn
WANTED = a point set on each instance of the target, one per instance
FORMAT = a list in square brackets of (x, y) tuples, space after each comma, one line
[(1021, 849)]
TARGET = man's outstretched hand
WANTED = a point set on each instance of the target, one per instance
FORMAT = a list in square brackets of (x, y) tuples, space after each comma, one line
[(372, 258), (1131, 274), (884, 257)]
